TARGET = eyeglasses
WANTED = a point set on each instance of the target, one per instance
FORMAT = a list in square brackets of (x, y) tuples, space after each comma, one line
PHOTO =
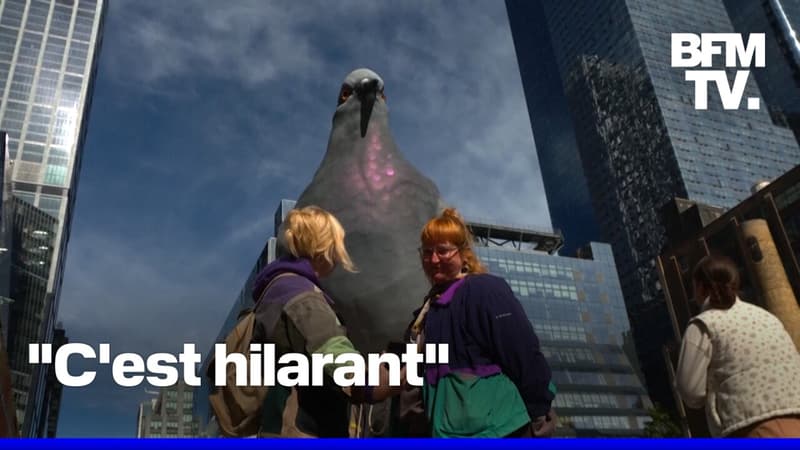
[(442, 251)]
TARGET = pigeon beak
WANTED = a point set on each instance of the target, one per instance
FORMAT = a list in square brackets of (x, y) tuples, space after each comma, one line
[(367, 91)]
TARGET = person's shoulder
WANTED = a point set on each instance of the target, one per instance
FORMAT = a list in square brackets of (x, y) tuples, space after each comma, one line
[(291, 287), (295, 282), (487, 286), (741, 304), (751, 309), (739, 307), (485, 280)]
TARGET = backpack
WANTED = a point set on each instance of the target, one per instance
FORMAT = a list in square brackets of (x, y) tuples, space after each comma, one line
[(238, 408)]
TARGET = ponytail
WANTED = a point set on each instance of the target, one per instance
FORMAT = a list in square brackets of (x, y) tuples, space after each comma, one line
[(718, 275)]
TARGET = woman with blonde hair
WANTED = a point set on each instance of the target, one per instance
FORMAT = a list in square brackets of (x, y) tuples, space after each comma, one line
[(496, 382), (295, 314)]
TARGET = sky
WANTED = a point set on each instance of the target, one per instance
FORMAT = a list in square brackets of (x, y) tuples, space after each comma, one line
[(206, 114)]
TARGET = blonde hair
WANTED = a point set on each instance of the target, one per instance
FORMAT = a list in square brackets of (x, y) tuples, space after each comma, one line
[(450, 227), (311, 232)]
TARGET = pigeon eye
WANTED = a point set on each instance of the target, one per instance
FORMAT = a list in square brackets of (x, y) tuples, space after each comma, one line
[(383, 96), (344, 94)]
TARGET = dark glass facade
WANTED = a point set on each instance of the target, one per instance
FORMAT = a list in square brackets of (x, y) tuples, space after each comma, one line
[(8, 410), (553, 131), (49, 426), (280, 214), (638, 139), (34, 237), (6, 235), (48, 61), (779, 81), (577, 311)]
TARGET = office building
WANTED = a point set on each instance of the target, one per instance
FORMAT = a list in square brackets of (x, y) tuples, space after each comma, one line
[(8, 410), (618, 135), (243, 300), (280, 214), (49, 424), (34, 238), (48, 58), (169, 415), (779, 80), (6, 227), (577, 310)]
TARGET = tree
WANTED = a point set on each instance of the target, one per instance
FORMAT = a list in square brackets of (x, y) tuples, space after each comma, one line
[(662, 424)]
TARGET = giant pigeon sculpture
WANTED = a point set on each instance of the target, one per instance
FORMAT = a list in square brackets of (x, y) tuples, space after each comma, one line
[(383, 202)]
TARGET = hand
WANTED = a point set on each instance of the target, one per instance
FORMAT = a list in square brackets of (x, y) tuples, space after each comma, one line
[(544, 426)]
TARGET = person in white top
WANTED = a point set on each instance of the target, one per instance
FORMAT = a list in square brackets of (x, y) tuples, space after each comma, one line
[(737, 360)]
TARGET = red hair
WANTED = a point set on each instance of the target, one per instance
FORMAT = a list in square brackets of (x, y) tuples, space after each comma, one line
[(450, 227)]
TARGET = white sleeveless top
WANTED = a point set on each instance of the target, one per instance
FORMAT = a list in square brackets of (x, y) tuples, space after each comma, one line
[(754, 369)]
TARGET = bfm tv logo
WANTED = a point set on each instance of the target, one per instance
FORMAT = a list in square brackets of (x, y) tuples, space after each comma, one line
[(693, 50)]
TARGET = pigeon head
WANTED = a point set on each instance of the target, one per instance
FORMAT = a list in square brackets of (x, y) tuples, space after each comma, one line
[(360, 90)]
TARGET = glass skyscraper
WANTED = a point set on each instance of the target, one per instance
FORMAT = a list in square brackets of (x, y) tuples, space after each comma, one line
[(33, 242), (779, 80), (48, 58), (577, 310), (618, 136)]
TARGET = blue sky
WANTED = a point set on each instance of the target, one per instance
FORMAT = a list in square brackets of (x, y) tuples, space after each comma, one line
[(205, 114)]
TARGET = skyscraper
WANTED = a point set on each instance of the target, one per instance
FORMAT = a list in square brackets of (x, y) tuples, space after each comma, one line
[(576, 307), (618, 135), (48, 58), (8, 410), (6, 227), (779, 80), (168, 415), (33, 241)]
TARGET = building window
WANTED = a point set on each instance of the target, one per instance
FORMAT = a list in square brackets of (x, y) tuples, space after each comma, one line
[(50, 204), (33, 152), (55, 175)]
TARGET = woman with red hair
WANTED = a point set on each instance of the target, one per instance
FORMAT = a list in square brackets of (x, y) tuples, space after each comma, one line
[(496, 382)]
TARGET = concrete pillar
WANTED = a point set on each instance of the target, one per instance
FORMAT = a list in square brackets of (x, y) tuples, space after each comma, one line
[(777, 292)]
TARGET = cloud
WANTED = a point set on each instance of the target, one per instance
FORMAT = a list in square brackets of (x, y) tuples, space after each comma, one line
[(455, 94), (250, 41), (267, 73), (143, 298), (226, 108)]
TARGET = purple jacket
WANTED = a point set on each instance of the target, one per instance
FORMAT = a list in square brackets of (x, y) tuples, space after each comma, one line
[(488, 333), (296, 318), (299, 266)]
